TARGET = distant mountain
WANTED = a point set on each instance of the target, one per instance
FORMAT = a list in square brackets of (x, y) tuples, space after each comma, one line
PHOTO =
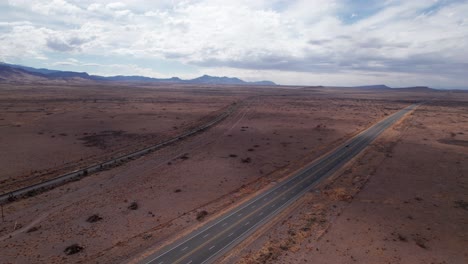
[(12, 72), (416, 89), (29, 69), (264, 83), (8, 73), (206, 79), (377, 86), (135, 78), (383, 87), (69, 74)]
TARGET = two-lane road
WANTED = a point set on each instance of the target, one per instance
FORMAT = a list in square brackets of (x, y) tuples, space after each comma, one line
[(218, 236)]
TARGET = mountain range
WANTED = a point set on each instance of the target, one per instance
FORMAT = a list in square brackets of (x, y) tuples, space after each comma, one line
[(13, 72)]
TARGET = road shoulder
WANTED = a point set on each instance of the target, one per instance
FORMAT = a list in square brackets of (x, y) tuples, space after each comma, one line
[(399, 202)]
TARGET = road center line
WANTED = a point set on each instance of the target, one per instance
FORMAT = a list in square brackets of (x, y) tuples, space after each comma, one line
[(328, 160)]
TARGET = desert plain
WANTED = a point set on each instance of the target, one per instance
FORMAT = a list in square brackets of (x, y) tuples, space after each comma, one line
[(404, 199)]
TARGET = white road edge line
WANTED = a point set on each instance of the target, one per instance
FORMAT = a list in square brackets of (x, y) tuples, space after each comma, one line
[(290, 180)]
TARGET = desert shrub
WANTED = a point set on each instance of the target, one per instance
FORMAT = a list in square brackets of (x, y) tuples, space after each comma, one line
[(94, 218), (246, 160), (33, 229), (73, 249), (133, 206), (201, 215)]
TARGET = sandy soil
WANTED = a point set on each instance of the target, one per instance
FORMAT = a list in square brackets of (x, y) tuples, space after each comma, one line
[(405, 200), (47, 130), (147, 202)]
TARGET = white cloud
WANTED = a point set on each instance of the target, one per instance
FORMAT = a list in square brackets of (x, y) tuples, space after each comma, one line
[(116, 5), (51, 7), (281, 38)]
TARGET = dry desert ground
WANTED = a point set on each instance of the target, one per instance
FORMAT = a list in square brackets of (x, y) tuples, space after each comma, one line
[(403, 200)]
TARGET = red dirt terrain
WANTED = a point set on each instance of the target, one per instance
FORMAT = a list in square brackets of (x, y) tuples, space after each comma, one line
[(47, 130), (121, 213), (404, 200)]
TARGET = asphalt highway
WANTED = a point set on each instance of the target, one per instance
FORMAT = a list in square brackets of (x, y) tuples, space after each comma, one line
[(219, 235)]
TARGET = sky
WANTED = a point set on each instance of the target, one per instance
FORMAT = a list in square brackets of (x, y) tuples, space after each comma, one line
[(299, 42)]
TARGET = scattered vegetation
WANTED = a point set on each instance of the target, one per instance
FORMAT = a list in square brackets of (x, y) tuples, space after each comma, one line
[(201, 215), (420, 242), (268, 256), (73, 249), (94, 218), (246, 160), (461, 204), (33, 229), (402, 238), (133, 206), (456, 142), (31, 193)]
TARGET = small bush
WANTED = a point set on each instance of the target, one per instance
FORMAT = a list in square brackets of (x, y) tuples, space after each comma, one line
[(461, 204), (73, 249), (201, 215), (33, 229), (402, 238), (421, 243), (246, 160), (133, 206), (94, 218)]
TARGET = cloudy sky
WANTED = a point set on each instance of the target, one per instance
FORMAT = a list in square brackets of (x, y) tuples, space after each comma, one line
[(306, 42)]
